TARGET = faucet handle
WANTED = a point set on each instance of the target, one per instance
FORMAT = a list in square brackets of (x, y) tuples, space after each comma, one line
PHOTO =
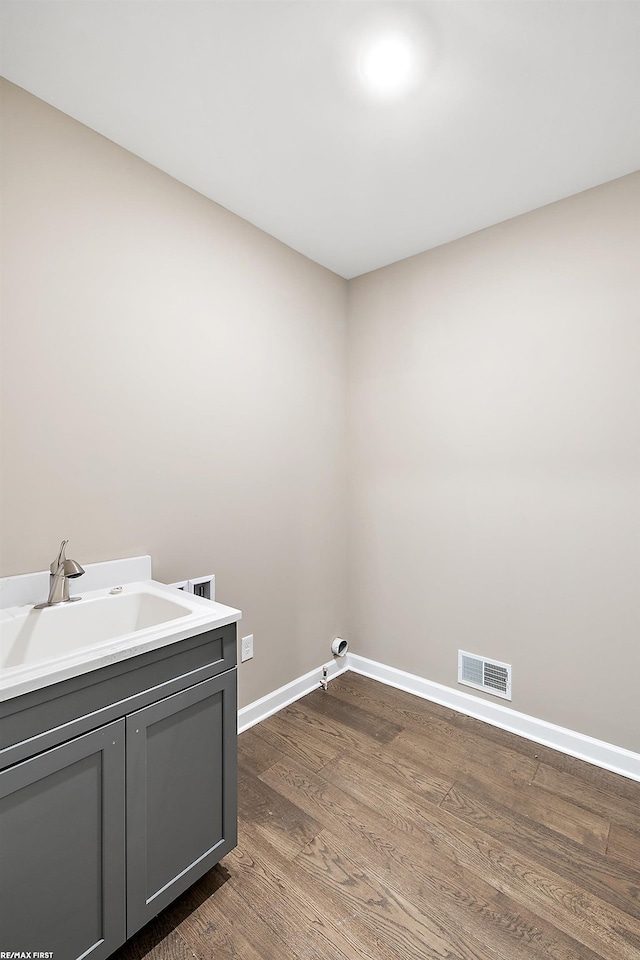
[(60, 559)]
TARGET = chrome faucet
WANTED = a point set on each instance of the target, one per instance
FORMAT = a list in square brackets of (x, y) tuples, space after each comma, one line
[(62, 570)]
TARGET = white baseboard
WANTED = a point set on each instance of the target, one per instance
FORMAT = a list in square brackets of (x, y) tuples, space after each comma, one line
[(597, 752), (601, 754), (267, 706)]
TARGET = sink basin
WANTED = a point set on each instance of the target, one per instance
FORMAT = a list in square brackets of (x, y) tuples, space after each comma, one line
[(39, 647), (56, 631)]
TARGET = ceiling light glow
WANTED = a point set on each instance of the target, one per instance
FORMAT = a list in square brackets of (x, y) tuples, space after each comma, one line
[(387, 64)]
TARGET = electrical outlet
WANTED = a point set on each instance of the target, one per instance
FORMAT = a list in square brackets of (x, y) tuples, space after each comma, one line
[(247, 648)]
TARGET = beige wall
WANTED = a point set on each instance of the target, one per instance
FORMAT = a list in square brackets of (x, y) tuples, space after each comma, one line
[(494, 407), (173, 384)]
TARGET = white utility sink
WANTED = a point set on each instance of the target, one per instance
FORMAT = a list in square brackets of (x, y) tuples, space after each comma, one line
[(40, 647)]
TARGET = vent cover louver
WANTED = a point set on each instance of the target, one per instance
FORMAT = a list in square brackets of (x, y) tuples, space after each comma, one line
[(492, 676)]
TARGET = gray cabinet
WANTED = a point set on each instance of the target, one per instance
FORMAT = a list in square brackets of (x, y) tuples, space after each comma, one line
[(180, 819), (117, 791), (61, 884)]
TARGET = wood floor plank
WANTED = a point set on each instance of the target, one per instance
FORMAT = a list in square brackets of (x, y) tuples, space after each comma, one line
[(547, 810), (354, 938), (289, 826), (402, 801), (404, 769), (593, 923), (499, 928), (616, 807), (354, 717), (464, 765), (255, 755), (297, 740), (465, 752), (312, 925), (592, 777), (609, 880), (279, 905), (386, 700), (219, 925), (406, 765), (407, 930), (333, 734), (624, 845)]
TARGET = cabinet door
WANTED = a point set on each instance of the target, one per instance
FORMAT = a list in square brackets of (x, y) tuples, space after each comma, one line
[(181, 793), (62, 849)]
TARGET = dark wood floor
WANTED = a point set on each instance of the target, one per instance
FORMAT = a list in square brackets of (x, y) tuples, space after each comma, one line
[(377, 825)]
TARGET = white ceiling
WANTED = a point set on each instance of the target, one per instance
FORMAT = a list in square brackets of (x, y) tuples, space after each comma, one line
[(260, 106)]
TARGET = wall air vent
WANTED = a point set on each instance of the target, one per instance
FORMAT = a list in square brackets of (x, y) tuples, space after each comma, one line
[(204, 587), (199, 586), (492, 676)]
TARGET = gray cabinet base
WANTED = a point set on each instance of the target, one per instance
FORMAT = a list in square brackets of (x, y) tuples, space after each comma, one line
[(181, 796), (62, 887)]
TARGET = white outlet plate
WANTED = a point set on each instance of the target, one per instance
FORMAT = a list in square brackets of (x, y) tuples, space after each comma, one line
[(246, 651)]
